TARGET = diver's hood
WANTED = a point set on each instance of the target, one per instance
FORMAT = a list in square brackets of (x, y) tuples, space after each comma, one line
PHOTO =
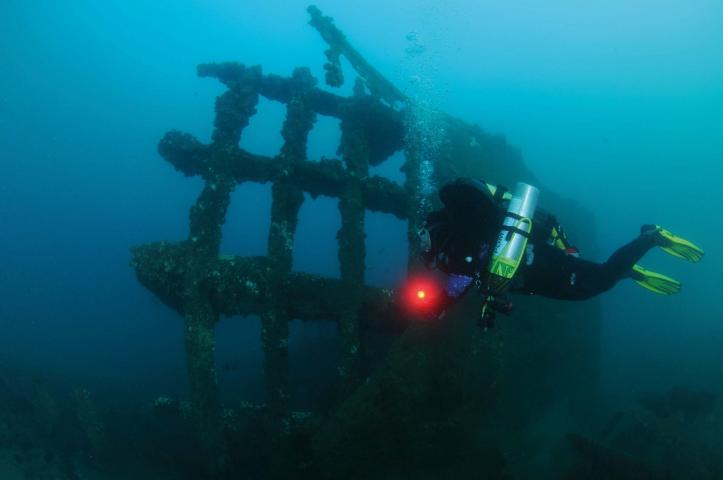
[(472, 199), (474, 219)]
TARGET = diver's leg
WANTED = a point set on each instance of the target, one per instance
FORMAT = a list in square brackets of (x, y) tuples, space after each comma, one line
[(621, 262), (558, 275), (595, 278)]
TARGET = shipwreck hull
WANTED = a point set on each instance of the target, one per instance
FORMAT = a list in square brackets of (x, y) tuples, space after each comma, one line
[(440, 384)]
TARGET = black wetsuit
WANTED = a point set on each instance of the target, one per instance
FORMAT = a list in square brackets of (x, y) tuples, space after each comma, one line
[(464, 231), (556, 274)]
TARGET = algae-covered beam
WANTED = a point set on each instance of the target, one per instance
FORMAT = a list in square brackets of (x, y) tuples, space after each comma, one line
[(352, 248), (325, 177), (386, 124), (280, 89), (199, 315), (286, 200), (382, 195), (238, 282), (339, 45), (285, 204), (238, 286), (234, 108), (273, 87)]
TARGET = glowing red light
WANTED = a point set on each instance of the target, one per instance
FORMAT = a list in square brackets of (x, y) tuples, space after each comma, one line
[(422, 295)]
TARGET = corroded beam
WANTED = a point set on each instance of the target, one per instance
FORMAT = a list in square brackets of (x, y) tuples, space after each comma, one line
[(238, 286), (273, 87), (352, 246), (338, 45), (326, 177), (286, 200), (384, 126)]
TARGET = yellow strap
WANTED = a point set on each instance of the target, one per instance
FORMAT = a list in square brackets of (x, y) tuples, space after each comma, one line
[(558, 238), (493, 190)]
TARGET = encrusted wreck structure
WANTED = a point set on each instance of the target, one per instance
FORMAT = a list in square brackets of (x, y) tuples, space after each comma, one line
[(194, 279)]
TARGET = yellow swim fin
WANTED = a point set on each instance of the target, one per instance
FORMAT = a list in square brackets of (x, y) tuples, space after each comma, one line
[(655, 282), (677, 246)]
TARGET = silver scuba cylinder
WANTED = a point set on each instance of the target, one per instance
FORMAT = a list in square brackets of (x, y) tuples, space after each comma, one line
[(514, 234)]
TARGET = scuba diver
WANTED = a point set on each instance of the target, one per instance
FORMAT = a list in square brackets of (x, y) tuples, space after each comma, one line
[(499, 242)]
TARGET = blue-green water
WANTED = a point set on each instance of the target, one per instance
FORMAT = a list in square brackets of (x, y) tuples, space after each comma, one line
[(617, 106)]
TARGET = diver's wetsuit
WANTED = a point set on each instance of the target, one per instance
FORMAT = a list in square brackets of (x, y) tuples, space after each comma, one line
[(556, 274), (462, 235)]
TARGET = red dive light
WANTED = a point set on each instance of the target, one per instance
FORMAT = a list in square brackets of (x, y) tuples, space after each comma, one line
[(422, 295)]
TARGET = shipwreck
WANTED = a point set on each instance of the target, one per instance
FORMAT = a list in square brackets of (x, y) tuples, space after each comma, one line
[(420, 393)]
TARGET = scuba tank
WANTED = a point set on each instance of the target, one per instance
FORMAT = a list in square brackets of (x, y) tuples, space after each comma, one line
[(509, 250)]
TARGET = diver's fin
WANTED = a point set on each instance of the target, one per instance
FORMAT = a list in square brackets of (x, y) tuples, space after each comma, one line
[(655, 282), (675, 245)]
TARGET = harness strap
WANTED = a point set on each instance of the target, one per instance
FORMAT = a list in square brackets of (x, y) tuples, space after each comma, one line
[(515, 216), (519, 231), (499, 194)]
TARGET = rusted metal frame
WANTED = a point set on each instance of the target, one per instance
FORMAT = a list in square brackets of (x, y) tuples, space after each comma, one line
[(238, 286), (273, 87), (233, 110), (325, 177), (287, 197), (338, 45), (352, 246), (223, 164)]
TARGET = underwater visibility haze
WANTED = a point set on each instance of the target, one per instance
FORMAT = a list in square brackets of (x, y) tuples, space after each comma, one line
[(203, 262)]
